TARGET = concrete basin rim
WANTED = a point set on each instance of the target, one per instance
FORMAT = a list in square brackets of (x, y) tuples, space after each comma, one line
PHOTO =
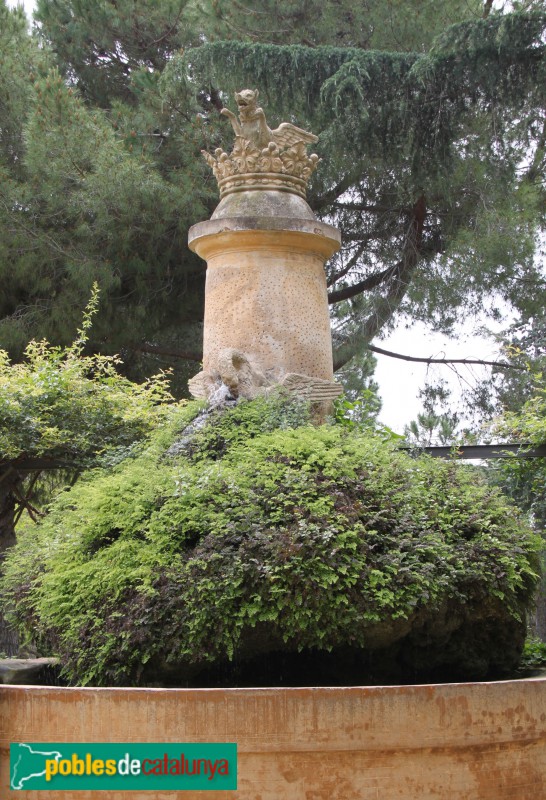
[(394, 688)]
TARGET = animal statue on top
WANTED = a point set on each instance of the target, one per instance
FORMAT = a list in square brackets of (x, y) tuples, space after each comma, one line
[(253, 127)]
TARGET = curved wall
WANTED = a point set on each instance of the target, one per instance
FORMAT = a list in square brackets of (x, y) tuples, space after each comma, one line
[(483, 741)]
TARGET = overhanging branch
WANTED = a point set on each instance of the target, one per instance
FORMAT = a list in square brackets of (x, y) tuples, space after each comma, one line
[(187, 355), (387, 305), (325, 200), (422, 360), (30, 464), (362, 286), (347, 268)]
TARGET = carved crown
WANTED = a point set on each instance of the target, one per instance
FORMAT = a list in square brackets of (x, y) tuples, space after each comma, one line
[(262, 158)]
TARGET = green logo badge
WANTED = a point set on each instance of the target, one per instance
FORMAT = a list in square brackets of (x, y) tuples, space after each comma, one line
[(105, 766)]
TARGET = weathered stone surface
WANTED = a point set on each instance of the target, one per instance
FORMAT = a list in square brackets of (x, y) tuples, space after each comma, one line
[(235, 377), (252, 125), (262, 158), (309, 235), (24, 670), (309, 388), (452, 742), (234, 372), (265, 204), (265, 295)]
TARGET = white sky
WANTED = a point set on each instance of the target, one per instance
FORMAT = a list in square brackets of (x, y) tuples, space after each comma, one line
[(28, 5), (400, 381)]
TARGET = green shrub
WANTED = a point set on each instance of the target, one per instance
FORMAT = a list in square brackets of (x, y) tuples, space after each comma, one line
[(245, 540), (534, 654), (62, 404)]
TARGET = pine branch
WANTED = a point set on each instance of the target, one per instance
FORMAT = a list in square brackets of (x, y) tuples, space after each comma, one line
[(165, 351), (422, 360), (487, 8), (388, 304), (537, 163), (170, 30), (325, 200), (347, 268), (42, 236), (367, 283), (371, 208)]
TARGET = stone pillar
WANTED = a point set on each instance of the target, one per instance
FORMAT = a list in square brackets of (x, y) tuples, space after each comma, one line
[(266, 293), (266, 307)]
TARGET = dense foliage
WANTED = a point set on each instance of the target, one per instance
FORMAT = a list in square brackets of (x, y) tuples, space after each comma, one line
[(431, 132), (62, 404), (90, 193), (525, 479), (63, 410), (257, 533), (391, 25)]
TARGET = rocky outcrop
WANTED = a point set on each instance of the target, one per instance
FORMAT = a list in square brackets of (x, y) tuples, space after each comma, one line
[(26, 670)]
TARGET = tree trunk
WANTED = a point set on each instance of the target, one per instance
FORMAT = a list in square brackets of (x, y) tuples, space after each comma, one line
[(7, 511), (9, 640)]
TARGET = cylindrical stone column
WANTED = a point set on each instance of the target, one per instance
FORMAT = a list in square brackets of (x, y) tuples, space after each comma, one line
[(266, 293)]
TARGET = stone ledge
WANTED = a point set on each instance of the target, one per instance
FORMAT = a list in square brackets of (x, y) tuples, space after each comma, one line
[(214, 227), (23, 671)]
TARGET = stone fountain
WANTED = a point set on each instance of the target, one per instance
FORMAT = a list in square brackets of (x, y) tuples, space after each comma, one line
[(266, 324), (266, 308)]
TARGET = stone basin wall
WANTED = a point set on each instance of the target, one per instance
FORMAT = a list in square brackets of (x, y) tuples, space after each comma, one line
[(483, 741)]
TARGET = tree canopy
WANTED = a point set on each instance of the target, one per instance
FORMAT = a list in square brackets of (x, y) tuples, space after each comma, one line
[(63, 410), (431, 131)]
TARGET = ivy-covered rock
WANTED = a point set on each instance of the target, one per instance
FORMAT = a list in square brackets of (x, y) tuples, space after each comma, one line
[(261, 549)]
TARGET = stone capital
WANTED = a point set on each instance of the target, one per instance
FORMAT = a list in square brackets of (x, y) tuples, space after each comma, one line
[(269, 233)]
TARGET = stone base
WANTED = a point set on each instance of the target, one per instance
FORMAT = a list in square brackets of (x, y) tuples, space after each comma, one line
[(434, 742), (24, 670), (235, 376)]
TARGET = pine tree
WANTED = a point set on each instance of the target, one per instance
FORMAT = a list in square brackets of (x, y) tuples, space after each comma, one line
[(424, 165), (431, 134), (102, 191)]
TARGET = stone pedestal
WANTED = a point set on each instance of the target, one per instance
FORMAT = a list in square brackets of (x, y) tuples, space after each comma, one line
[(434, 742), (266, 307), (266, 293)]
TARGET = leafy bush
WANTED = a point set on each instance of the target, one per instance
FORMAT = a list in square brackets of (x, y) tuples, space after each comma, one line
[(534, 654), (525, 479), (62, 404), (262, 534)]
